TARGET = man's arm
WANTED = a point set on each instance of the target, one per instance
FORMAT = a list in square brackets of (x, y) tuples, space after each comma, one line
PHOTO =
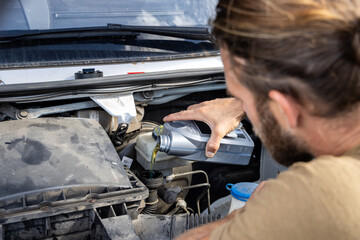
[(204, 232)]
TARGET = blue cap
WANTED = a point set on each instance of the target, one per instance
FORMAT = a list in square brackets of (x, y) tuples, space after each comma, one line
[(241, 191)]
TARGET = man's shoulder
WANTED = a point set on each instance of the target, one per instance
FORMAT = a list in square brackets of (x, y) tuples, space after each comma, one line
[(313, 200), (325, 180), (327, 167)]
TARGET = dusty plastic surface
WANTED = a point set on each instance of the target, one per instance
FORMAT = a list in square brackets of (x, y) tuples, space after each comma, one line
[(48, 153)]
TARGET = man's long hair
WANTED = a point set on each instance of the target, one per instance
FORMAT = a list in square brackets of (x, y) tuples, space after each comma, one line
[(308, 49)]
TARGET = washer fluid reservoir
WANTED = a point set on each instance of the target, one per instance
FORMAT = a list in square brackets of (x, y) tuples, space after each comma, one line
[(188, 139)]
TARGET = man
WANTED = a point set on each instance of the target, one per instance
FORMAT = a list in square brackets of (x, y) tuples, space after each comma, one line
[(294, 68)]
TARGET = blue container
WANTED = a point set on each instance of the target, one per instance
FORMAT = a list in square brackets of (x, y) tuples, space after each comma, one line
[(241, 191)]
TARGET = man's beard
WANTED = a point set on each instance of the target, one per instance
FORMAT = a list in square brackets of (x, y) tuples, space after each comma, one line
[(286, 149)]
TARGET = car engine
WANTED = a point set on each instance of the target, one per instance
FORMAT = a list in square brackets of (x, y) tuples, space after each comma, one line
[(70, 170)]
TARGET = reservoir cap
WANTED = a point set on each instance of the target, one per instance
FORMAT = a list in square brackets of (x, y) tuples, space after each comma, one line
[(241, 191)]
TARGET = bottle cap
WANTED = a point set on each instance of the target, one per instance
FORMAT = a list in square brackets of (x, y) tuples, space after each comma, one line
[(241, 191)]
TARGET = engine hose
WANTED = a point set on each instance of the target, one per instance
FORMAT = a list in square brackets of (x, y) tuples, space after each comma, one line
[(150, 207), (207, 185)]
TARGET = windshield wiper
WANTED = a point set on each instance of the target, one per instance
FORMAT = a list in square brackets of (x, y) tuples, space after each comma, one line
[(111, 30), (63, 33), (194, 33)]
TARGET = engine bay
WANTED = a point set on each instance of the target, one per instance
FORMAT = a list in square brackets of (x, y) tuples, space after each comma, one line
[(183, 190)]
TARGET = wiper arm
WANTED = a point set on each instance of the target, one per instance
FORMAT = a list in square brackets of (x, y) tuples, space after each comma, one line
[(194, 33), (111, 30), (89, 32)]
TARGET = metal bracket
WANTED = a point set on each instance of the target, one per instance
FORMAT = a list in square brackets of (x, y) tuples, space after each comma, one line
[(121, 106)]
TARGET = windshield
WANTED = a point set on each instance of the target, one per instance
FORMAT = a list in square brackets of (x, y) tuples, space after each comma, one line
[(55, 14), (104, 45)]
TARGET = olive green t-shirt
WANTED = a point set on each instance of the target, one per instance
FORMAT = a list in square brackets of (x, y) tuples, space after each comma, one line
[(314, 200)]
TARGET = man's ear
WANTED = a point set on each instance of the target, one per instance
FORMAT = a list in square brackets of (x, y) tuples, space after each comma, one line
[(285, 108)]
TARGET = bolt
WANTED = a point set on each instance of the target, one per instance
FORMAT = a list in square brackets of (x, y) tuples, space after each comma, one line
[(23, 114), (148, 94)]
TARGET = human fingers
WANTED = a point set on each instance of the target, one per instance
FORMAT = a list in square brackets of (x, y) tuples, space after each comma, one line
[(182, 115), (213, 143), (198, 105)]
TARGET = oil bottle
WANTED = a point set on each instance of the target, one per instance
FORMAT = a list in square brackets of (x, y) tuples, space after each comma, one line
[(188, 139)]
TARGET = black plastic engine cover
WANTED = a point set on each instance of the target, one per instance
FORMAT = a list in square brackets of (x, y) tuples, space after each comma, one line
[(48, 153)]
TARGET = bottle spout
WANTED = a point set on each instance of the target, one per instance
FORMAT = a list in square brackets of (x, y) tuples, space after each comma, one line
[(157, 131)]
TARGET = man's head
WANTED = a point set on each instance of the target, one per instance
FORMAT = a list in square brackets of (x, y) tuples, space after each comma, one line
[(291, 61)]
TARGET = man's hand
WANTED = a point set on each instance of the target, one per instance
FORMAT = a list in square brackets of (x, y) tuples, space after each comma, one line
[(222, 116)]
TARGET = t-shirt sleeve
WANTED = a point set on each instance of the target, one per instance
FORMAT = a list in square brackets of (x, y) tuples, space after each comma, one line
[(282, 210)]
